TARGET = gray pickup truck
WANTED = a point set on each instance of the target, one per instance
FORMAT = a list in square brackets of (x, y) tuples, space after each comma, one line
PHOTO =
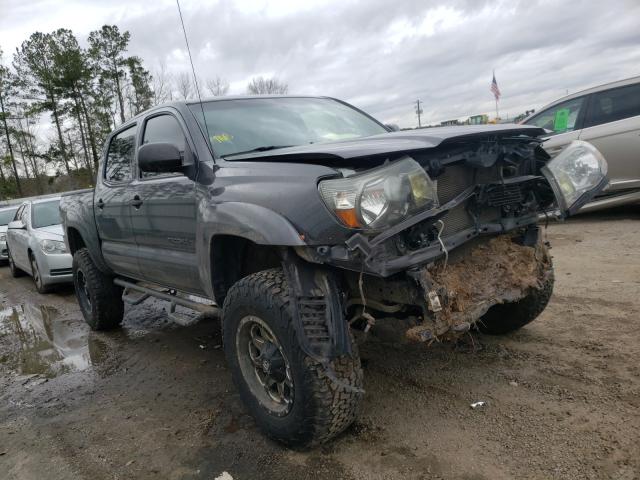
[(307, 221)]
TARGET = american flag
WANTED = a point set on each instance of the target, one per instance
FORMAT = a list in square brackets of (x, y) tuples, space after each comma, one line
[(494, 87)]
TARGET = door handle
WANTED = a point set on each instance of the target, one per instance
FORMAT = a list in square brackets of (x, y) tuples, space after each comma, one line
[(136, 202), (100, 204)]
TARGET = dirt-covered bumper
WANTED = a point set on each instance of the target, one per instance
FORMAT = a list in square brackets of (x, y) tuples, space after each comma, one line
[(457, 294)]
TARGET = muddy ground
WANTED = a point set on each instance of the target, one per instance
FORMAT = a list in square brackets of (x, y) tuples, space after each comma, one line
[(155, 400)]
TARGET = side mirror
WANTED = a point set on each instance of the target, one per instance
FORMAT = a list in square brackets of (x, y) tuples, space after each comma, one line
[(16, 225), (159, 157), (392, 126)]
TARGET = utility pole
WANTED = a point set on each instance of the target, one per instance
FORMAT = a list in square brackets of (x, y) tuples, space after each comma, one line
[(419, 112), (6, 131)]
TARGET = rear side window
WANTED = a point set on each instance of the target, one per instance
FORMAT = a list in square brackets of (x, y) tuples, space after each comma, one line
[(163, 128), (560, 118), (120, 156), (613, 105)]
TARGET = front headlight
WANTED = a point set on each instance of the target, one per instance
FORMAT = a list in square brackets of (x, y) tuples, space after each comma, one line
[(53, 246), (576, 175), (3, 237), (381, 197)]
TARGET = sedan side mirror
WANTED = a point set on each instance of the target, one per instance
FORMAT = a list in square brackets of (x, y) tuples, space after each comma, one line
[(16, 225), (159, 157), (392, 126)]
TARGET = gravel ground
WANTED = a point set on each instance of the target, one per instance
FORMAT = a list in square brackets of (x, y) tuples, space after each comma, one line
[(155, 400)]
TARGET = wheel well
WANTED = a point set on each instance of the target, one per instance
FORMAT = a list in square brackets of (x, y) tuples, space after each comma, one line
[(75, 240), (234, 258)]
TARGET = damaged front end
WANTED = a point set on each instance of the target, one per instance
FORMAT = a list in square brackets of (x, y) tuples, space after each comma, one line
[(443, 236)]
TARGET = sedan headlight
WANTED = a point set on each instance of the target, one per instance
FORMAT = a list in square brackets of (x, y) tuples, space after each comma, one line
[(576, 175), (381, 197), (3, 237), (53, 246)]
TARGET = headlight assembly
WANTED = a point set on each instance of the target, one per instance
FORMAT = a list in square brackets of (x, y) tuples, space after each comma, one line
[(576, 175), (53, 246), (3, 237), (381, 197)]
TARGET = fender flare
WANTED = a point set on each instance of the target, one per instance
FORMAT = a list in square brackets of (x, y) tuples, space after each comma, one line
[(252, 222)]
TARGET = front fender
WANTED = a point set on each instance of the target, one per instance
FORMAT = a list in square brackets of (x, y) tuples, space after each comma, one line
[(249, 221)]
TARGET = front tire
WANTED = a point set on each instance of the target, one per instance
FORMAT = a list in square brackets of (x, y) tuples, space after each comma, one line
[(509, 317), (15, 271), (288, 393), (37, 276), (99, 298)]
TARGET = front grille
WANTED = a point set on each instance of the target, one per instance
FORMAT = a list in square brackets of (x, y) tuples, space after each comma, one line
[(456, 179), (501, 195), (56, 272)]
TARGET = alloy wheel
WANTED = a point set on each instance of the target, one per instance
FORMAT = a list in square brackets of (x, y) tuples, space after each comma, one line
[(264, 365)]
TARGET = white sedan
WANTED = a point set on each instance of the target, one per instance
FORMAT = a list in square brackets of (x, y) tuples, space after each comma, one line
[(35, 240)]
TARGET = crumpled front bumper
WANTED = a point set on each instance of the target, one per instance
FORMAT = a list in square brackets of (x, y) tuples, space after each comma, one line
[(458, 295)]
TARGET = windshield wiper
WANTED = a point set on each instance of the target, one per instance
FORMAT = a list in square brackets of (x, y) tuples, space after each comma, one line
[(258, 149)]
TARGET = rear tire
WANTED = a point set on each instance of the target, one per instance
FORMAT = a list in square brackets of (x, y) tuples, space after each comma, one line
[(99, 298), (312, 409), (15, 271), (509, 317)]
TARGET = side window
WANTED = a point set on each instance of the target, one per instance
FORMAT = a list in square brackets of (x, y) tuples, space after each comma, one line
[(163, 128), (613, 105), (120, 156), (560, 118)]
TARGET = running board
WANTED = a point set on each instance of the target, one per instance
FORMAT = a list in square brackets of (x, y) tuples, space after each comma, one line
[(172, 299)]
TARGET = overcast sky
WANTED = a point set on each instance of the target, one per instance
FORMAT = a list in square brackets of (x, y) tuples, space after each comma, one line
[(380, 55)]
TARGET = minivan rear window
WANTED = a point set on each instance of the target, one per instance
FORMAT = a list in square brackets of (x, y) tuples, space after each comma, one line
[(613, 105)]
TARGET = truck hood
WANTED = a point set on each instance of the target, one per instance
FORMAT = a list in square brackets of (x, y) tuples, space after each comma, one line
[(388, 143)]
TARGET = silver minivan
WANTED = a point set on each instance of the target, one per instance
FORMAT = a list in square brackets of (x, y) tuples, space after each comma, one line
[(608, 117)]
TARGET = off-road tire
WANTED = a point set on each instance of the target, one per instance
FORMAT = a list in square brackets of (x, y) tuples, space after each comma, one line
[(321, 408), (105, 308), (15, 271), (509, 317)]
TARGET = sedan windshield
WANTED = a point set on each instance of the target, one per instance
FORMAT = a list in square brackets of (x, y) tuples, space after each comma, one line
[(243, 125), (45, 214), (6, 216)]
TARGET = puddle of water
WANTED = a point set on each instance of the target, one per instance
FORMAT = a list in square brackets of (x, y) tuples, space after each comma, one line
[(41, 343)]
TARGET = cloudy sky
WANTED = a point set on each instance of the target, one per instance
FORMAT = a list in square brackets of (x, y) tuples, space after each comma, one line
[(380, 55)]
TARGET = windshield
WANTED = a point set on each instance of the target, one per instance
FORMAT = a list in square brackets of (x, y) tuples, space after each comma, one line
[(259, 123), (45, 214), (6, 216)]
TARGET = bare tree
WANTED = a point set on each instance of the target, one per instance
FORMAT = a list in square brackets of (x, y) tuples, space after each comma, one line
[(218, 87), (266, 86), (162, 85), (184, 85)]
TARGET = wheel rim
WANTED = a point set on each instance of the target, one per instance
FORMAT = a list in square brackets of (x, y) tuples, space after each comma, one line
[(35, 273), (82, 290), (264, 365)]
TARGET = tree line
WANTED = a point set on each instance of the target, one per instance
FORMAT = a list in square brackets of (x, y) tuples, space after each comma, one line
[(85, 93)]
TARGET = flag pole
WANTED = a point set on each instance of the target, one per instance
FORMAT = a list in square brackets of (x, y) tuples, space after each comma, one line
[(497, 113)]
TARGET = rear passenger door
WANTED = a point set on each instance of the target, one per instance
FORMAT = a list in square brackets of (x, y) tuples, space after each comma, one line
[(564, 120), (165, 219), (612, 125), (112, 204)]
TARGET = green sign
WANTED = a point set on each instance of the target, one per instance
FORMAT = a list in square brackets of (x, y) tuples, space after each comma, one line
[(561, 120)]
